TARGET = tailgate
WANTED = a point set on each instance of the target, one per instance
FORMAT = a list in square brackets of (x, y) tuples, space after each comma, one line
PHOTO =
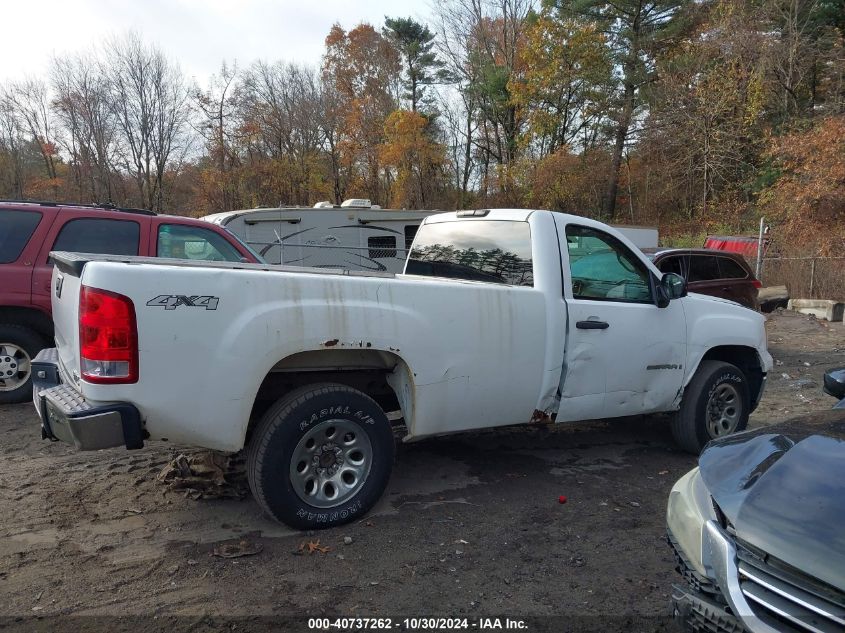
[(65, 299)]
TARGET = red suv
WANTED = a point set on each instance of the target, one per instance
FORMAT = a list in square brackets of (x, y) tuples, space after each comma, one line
[(30, 230), (710, 272)]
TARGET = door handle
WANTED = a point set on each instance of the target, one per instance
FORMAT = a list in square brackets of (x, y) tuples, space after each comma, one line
[(592, 325)]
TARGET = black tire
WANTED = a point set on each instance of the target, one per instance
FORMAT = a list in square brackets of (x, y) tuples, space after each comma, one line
[(30, 342), (299, 415), (692, 426)]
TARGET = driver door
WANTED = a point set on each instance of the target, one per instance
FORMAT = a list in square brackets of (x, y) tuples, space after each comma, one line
[(624, 355)]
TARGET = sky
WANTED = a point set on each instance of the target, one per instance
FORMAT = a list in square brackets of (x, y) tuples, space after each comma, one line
[(198, 34)]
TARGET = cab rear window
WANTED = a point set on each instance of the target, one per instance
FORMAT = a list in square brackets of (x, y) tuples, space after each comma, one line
[(16, 227), (496, 251)]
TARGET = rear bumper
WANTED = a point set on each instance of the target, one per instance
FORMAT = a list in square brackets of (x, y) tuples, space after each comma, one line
[(67, 416)]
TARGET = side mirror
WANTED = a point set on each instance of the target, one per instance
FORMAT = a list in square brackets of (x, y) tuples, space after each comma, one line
[(674, 285), (662, 300), (834, 382)]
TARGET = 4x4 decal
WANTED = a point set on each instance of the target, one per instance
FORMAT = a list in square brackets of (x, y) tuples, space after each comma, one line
[(171, 302)]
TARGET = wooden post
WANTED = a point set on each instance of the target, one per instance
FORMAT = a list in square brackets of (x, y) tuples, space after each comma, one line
[(812, 276)]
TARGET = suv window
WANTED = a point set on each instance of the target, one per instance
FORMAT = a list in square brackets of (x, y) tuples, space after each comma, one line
[(497, 251), (381, 246), (16, 227), (672, 265), (730, 269), (99, 235), (193, 242), (604, 268), (703, 268)]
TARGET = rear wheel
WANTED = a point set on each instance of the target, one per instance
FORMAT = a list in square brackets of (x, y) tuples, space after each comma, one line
[(320, 457), (18, 346), (715, 404)]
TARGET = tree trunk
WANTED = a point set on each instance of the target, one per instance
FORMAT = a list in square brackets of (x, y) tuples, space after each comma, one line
[(609, 206)]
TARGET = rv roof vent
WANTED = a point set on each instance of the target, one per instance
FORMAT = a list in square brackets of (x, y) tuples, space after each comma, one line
[(356, 202), (325, 204)]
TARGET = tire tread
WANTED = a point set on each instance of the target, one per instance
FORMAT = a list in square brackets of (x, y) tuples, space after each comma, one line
[(275, 416), (685, 428)]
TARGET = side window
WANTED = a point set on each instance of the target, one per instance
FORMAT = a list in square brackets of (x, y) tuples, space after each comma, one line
[(671, 265), (410, 234), (703, 268), (495, 251), (381, 246), (730, 269), (99, 235), (180, 241), (16, 227), (605, 269)]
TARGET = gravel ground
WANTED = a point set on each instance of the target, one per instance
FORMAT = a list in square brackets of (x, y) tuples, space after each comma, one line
[(471, 526)]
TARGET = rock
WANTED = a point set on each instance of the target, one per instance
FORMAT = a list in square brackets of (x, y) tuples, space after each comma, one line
[(347, 540), (804, 383)]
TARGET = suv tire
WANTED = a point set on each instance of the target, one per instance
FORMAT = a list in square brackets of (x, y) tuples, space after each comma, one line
[(18, 346)]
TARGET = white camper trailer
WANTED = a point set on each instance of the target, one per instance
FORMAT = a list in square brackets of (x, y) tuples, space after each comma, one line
[(354, 236)]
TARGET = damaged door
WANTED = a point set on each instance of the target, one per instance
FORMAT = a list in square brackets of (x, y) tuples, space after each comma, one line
[(624, 355)]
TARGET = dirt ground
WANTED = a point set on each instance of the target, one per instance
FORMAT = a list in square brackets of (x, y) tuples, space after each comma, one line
[(471, 526)]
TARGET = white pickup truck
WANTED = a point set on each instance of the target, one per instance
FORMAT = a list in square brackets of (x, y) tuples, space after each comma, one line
[(501, 317)]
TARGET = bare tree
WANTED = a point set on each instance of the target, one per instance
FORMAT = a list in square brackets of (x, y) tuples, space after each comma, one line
[(479, 41), (30, 102), (11, 149), (150, 99), (218, 110), (281, 102), (83, 107)]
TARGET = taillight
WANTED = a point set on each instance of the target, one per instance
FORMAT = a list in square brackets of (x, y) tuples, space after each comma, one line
[(757, 283), (108, 337)]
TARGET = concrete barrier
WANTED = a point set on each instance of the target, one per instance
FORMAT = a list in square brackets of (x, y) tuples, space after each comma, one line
[(821, 308)]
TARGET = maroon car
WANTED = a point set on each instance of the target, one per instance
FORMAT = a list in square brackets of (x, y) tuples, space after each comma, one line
[(710, 272), (30, 230)]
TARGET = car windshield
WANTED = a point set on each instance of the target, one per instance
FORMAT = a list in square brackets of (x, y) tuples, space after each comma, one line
[(251, 250)]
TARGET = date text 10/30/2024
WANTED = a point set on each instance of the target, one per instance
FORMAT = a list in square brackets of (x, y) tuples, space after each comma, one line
[(416, 624)]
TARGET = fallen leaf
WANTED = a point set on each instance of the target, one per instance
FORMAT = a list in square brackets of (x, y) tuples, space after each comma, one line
[(309, 547)]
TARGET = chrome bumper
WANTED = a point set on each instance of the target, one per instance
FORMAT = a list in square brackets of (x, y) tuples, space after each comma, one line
[(719, 558), (68, 417)]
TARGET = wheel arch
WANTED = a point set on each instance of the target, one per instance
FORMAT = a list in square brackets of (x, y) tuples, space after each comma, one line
[(383, 375), (32, 318), (746, 359)]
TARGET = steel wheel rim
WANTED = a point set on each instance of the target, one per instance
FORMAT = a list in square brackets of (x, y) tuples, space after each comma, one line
[(15, 366), (724, 409), (330, 463)]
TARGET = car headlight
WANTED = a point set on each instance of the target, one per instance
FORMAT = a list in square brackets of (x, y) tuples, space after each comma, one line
[(689, 508)]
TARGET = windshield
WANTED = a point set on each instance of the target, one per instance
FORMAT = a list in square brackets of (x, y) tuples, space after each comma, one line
[(251, 250)]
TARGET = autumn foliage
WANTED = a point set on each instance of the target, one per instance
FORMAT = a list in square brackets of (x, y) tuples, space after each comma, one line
[(808, 199), (694, 116)]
